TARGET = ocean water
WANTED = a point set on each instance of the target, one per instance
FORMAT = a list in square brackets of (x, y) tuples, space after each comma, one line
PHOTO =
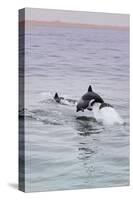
[(65, 149)]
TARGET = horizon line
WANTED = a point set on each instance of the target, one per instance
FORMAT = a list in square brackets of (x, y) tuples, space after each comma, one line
[(73, 25)]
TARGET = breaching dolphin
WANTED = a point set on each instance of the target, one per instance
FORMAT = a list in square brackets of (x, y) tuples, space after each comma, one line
[(88, 99)]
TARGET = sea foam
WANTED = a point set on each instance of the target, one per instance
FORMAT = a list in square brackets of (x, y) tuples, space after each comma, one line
[(107, 115)]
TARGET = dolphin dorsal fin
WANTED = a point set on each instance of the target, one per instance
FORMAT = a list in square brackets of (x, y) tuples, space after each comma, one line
[(56, 95), (89, 88)]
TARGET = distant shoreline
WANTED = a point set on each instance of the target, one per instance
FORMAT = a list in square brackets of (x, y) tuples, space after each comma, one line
[(72, 25)]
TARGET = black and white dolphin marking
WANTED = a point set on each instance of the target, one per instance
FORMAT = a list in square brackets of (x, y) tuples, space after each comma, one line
[(88, 99)]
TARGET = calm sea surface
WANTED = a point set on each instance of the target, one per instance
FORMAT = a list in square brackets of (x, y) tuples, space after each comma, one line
[(63, 151)]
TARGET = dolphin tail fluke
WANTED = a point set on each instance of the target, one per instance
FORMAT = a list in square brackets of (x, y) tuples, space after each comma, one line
[(89, 88)]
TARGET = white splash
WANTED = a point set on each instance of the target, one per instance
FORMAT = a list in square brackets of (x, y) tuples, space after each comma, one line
[(107, 115), (65, 102)]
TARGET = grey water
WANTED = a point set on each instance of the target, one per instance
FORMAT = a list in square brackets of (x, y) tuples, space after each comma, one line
[(62, 150)]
